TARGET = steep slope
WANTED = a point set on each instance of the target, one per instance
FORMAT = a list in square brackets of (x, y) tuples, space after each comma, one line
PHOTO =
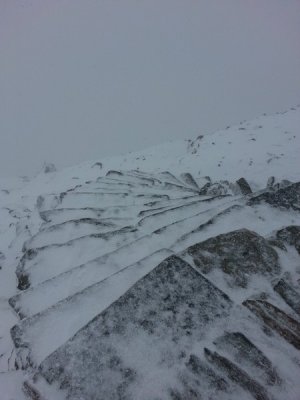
[(158, 274)]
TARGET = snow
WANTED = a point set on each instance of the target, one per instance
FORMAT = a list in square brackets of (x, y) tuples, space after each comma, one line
[(132, 222)]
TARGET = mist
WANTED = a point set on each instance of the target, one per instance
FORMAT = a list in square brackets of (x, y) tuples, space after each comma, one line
[(83, 80)]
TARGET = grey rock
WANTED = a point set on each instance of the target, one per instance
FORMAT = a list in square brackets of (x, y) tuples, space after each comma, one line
[(243, 350), (114, 173), (237, 375), (273, 184), (216, 189), (282, 184), (98, 165), (169, 310), (244, 186), (287, 197), (189, 179), (48, 168), (277, 320), (270, 182), (239, 254), (289, 295), (290, 235), (201, 369), (204, 189)]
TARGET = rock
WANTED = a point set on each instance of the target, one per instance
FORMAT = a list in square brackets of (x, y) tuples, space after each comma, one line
[(239, 254), (114, 173), (40, 201), (167, 311), (290, 235), (98, 165), (244, 186), (282, 184), (204, 372), (216, 189), (23, 281), (287, 197), (277, 320), (204, 189), (270, 182), (237, 375), (48, 168), (289, 295), (277, 243), (188, 178), (243, 350)]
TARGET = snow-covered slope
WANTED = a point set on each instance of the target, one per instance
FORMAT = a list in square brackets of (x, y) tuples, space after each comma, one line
[(157, 274)]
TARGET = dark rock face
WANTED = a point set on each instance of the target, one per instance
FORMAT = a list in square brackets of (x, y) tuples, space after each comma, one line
[(204, 372), (290, 235), (204, 189), (168, 311), (287, 197), (241, 348), (239, 254), (277, 320), (289, 295), (189, 179), (237, 375), (270, 182), (244, 186), (23, 281)]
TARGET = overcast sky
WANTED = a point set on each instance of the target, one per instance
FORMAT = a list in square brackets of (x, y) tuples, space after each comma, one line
[(83, 79)]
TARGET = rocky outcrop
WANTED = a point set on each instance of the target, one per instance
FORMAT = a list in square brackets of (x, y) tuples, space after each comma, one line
[(168, 311), (149, 300), (277, 320), (287, 197), (289, 295), (239, 254), (290, 235), (244, 186)]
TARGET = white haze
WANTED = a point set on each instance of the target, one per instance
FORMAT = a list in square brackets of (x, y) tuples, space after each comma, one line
[(87, 79)]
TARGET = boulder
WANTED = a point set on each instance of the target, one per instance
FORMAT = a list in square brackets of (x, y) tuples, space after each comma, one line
[(244, 186)]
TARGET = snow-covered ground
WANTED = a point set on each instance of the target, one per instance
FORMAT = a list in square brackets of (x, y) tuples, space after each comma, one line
[(81, 237)]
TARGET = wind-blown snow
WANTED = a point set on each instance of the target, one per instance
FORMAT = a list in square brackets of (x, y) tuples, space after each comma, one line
[(43, 213)]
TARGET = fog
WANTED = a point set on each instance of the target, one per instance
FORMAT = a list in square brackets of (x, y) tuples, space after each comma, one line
[(85, 79)]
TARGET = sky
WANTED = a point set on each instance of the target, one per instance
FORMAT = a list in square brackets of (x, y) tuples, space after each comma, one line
[(85, 79)]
